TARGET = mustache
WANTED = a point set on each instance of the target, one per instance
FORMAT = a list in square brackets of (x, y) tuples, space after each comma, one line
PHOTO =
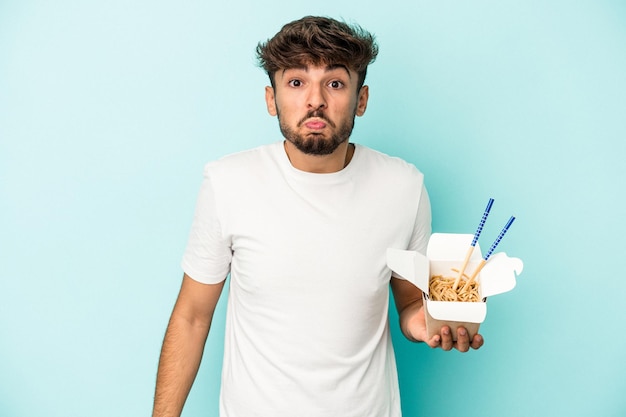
[(317, 114)]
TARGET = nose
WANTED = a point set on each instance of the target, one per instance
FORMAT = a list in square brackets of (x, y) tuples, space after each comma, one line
[(316, 98)]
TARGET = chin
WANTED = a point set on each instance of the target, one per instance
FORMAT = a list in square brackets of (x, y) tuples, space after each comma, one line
[(318, 145)]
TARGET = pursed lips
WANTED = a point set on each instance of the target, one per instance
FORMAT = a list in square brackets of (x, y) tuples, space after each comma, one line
[(315, 121), (315, 124)]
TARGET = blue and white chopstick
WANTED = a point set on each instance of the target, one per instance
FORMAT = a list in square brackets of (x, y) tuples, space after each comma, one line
[(490, 251), (473, 245)]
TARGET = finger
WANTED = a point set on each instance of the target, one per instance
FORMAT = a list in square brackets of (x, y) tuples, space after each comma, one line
[(434, 341), (462, 340), (477, 341), (446, 338)]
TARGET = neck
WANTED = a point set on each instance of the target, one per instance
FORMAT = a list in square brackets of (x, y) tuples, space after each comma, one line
[(320, 164)]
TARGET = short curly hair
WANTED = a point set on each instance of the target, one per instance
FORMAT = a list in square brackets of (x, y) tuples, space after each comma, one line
[(318, 41)]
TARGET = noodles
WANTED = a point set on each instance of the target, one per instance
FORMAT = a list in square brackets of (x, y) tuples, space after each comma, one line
[(440, 289)]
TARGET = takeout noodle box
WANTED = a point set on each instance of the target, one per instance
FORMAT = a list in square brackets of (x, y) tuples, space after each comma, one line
[(446, 251)]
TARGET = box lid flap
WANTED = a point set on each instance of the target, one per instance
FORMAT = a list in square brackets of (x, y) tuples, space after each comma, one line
[(411, 266), (451, 247), (498, 274)]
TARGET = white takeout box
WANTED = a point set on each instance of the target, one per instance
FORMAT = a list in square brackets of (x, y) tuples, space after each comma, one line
[(446, 251)]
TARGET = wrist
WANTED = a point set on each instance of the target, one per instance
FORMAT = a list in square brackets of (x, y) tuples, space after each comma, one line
[(412, 322)]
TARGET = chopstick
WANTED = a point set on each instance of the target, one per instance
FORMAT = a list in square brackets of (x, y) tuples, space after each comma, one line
[(489, 252), (473, 244)]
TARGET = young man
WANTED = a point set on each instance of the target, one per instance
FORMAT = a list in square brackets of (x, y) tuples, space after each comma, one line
[(302, 226)]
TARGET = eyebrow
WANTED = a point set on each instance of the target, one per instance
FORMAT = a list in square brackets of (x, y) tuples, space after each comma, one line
[(328, 68), (338, 66)]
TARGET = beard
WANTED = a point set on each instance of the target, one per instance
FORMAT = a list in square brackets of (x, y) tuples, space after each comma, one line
[(317, 143)]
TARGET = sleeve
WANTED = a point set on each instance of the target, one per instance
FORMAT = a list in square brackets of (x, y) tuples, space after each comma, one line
[(208, 254), (423, 224)]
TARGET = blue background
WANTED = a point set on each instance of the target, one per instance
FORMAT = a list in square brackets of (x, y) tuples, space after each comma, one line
[(108, 111)]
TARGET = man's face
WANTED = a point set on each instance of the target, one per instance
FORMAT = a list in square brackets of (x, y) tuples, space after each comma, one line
[(316, 106)]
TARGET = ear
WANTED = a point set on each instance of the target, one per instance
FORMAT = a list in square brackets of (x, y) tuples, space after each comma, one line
[(270, 101), (361, 104)]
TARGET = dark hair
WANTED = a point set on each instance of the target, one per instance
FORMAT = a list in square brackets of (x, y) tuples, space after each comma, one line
[(318, 41)]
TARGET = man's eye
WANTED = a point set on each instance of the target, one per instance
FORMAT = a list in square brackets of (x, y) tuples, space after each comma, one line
[(335, 84), (295, 83)]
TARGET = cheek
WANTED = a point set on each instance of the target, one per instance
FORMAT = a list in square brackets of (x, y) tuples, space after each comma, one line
[(280, 105), (349, 108), (288, 108)]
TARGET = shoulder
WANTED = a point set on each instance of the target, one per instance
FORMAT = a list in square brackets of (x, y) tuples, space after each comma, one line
[(390, 167), (242, 160), (246, 166)]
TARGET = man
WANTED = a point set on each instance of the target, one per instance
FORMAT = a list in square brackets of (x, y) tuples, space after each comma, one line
[(302, 227)]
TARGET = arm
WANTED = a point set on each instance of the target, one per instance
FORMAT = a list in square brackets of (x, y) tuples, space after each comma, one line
[(183, 345), (410, 307)]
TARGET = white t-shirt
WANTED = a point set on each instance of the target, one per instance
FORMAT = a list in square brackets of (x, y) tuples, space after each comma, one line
[(307, 329)]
